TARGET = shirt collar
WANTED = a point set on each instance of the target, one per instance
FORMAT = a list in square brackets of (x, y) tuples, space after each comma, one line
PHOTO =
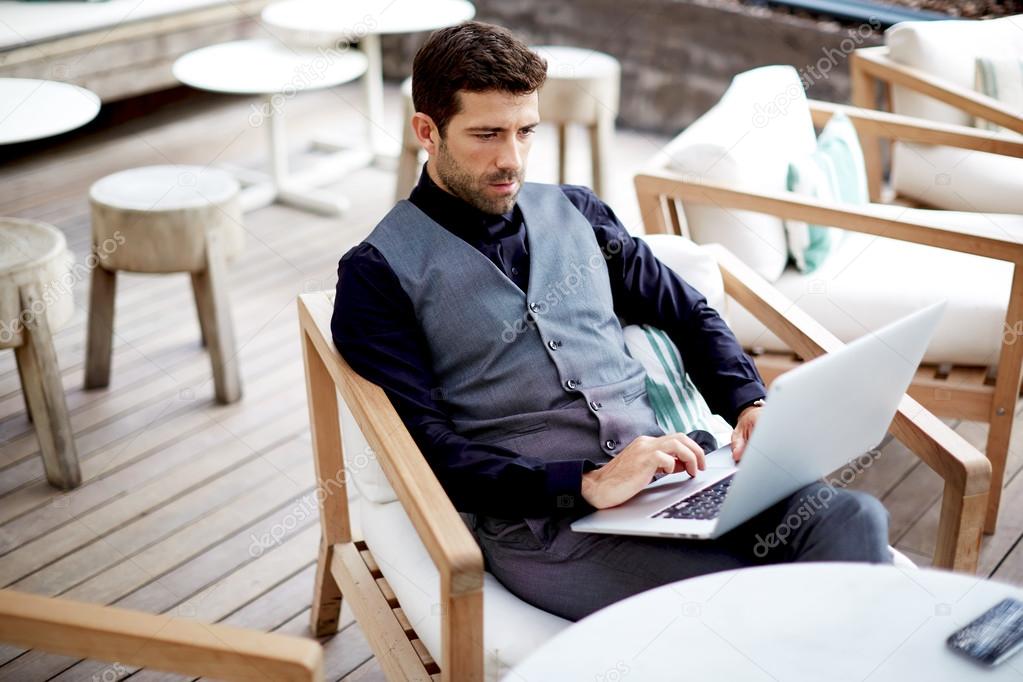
[(456, 214)]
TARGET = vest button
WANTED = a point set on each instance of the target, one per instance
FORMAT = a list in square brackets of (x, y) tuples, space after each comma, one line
[(610, 444), (554, 344), (594, 405), (571, 384), (534, 306)]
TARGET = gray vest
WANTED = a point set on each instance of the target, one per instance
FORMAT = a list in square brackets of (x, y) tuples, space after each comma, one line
[(545, 374)]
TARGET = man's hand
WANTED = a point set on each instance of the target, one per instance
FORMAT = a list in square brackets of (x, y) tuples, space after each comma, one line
[(631, 471), (743, 430)]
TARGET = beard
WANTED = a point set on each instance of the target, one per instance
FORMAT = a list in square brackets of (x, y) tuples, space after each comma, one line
[(473, 190)]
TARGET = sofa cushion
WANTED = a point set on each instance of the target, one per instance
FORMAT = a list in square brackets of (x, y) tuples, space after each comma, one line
[(852, 293), (948, 50), (957, 179), (745, 140), (361, 466), (946, 177), (512, 628), (693, 264)]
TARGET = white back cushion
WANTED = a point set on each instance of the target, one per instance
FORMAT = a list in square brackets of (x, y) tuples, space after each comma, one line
[(746, 140), (949, 50), (361, 465)]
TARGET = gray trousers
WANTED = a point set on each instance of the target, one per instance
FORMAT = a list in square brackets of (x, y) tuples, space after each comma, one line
[(574, 574)]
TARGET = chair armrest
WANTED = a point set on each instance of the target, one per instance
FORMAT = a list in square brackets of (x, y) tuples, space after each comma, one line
[(177, 645), (992, 242), (882, 124), (450, 544), (876, 63), (965, 470)]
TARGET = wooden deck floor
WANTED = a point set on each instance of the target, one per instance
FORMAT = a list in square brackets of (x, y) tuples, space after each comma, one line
[(179, 494)]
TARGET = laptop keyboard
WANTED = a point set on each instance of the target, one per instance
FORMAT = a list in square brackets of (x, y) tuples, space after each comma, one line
[(705, 504)]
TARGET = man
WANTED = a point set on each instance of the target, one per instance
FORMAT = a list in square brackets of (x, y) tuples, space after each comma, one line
[(517, 388)]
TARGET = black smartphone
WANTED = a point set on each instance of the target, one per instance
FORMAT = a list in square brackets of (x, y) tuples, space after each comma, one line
[(994, 635)]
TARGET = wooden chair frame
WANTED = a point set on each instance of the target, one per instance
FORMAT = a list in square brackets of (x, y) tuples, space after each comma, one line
[(345, 565), (178, 645), (965, 393), (871, 66)]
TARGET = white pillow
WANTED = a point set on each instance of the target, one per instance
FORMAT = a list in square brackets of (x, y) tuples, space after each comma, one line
[(745, 141), (948, 49)]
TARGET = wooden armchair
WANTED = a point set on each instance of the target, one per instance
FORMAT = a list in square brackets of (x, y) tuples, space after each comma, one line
[(973, 393), (178, 645), (346, 565), (873, 66)]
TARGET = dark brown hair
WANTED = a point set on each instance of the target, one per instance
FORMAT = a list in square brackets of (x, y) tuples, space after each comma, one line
[(472, 56)]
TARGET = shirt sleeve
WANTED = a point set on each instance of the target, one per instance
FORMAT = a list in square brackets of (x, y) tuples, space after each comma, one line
[(646, 291), (374, 326)]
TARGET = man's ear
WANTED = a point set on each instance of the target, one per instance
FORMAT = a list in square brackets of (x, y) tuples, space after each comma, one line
[(426, 132)]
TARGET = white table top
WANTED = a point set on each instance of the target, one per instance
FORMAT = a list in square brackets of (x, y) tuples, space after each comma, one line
[(790, 622), (326, 21), (32, 109), (265, 67)]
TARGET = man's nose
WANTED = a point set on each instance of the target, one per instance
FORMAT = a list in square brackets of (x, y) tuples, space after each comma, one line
[(510, 157)]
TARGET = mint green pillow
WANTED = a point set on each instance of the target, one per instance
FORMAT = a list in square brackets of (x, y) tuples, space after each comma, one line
[(834, 172), (1000, 78)]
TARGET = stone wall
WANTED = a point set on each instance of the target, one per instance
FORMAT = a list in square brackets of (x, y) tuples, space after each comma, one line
[(677, 56)]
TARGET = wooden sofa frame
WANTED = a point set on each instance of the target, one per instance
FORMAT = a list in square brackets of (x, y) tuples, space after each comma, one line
[(177, 645), (972, 393), (345, 565), (871, 66)]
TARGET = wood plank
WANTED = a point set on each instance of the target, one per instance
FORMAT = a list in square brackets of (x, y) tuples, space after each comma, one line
[(171, 643), (234, 591)]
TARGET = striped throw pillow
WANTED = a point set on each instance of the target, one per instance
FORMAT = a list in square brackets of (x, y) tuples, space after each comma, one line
[(1000, 78), (677, 404)]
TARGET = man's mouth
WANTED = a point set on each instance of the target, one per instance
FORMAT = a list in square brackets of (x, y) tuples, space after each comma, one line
[(506, 186)]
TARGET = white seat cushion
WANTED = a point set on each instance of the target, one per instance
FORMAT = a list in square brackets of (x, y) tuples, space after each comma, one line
[(745, 140), (944, 177), (512, 629), (871, 281)]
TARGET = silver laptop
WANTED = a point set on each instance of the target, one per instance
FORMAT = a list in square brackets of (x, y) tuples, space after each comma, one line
[(818, 417)]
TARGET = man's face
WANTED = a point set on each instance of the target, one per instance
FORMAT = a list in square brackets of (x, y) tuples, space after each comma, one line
[(482, 156)]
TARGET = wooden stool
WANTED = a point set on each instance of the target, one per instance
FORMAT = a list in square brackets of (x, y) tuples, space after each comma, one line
[(36, 280), (408, 158), (163, 219), (582, 87)]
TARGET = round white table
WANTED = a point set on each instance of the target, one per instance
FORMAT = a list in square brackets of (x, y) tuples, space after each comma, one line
[(32, 109), (790, 622), (277, 72), (328, 22)]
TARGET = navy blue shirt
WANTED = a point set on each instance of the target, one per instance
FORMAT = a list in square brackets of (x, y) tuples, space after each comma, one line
[(375, 328)]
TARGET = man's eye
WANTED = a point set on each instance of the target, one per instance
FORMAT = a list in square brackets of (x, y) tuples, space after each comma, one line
[(528, 131), (487, 136)]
